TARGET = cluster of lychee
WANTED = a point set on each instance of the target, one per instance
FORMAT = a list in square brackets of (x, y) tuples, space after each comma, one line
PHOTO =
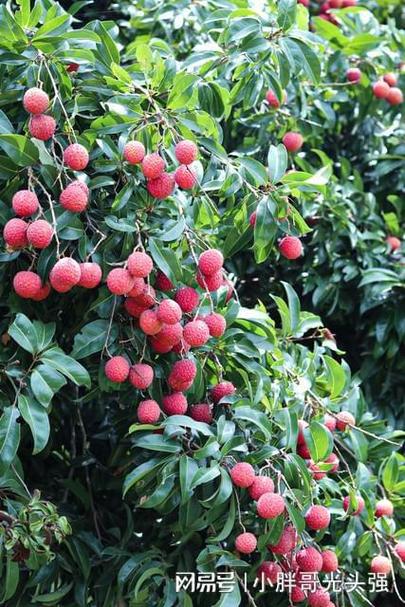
[(325, 9), (384, 88), (160, 183)]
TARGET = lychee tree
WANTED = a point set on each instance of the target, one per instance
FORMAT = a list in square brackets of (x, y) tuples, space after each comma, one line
[(151, 422)]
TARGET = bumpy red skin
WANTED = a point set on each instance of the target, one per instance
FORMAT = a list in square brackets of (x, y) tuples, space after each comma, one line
[(119, 281), (360, 505), (390, 79), (175, 404), (269, 571), (353, 75), (384, 508), (182, 375), (216, 324), (186, 151), (290, 247), (224, 388), (297, 595), (185, 177), (316, 472), (395, 96), (90, 275), (153, 166), (381, 89), (15, 233), (134, 308), (252, 219), (162, 187), (303, 451), (242, 474), (149, 322), (141, 376), (64, 275), (40, 234), (147, 297), (302, 424), (333, 459), (260, 486), (344, 419), (72, 68), (42, 293), (317, 517), (201, 412), (140, 264), (286, 543), (245, 543), (380, 564), (35, 101), (169, 312), (42, 127), (148, 412), (330, 561), (272, 100), (117, 369), (212, 282), (394, 243), (187, 298), (27, 284), (76, 157), (293, 141), (74, 198), (319, 598), (170, 334), (138, 288), (160, 347), (25, 203), (400, 551), (309, 559), (330, 422), (210, 262), (163, 283), (196, 333), (134, 152), (270, 505)]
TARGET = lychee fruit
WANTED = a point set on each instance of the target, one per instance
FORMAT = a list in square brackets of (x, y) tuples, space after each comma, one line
[(170, 334), (185, 177), (302, 424), (182, 375), (76, 157), (153, 166), (74, 198), (344, 419), (134, 152), (159, 347), (216, 324), (140, 264), (390, 78), (25, 203), (394, 96), (148, 412), (303, 451), (334, 460), (147, 297), (272, 99), (242, 474), (290, 247), (293, 141), (270, 505), (117, 369), (169, 312), (384, 507), (134, 308), (27, 284), (330, 561), (317, 517), (329, 421), (141, 376), (138, 288), (400, 551), (187, 298), (196, 333), (72, 68), (42, 293), (35, 101), (64, 275), (269, 572), (380, 564), (149, 322), (175, 404), (186, 151), (260, 486), (163, 283), (42, 127), (316, 472), (319, 598), (353, 74), (15, 233), (210, 262), (246, 543), (119, 281), (252, 219), (39, 234), (201, 412), (90, 275), (224, 388), (309, 559), (162, 186), (360, 505), (212, 282), (297, 595), (287, 541), (393, 242), (381, 89)]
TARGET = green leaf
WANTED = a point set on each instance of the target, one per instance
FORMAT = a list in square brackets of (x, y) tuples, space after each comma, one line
[(45, 382), (319, 441), (336, 376), (23, 332), (286, 13), (19, 149), (294, 307), (182, 90), (92, 338), (37, 419), (67, 365), (390, 473), (265, 228), (9, 435), (11, 580), (277, 161), (187, 470), (166, 260), (107, 48)]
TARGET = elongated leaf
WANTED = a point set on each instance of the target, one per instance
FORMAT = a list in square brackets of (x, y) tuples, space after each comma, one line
[(67, 365), (23, 332), (9, 435), (37, 418), (45, 382)]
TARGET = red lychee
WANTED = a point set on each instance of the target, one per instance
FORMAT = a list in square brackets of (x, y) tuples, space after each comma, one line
[(309, 559), (260, 486), (42, 127), (119, 281), (330, 561), (138, 288), (196, 333), (72, 68), (117, 369), (384, 508), (169, 312), (360, 505), (90, 275), (175, 404), (381, 89), (224, 388), (163, 283), (185, 177), (141, 376), (15, 233), (242, 474), (400, 551), (293, 141), (134, 308), (170, 334), (39, 234), (272, 99), (64, 275), (344, 419), (76, 157), (210, 262), (290, 247), (319, 598), (269, 572), (35, 101), (187, 298), (27, 284), (162, 186), (148, 412), (297, 595), (149, 322), (25, 203), (42, 293), (317, 517), (380, 564), (394, 96), (159, 347), (390, 78), (393, 242), (302, 424), (252, 219), (334, 460), (182, 375), (186, 151), (153, 166), (216, 324), (245, 543), (134, 152), (353, 74), (316, 472), (303, 451), (140, 264), (74, 198), (270, 505), (147, 297), (330, 422), (286, 543), (201, 413), (212, 282)]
